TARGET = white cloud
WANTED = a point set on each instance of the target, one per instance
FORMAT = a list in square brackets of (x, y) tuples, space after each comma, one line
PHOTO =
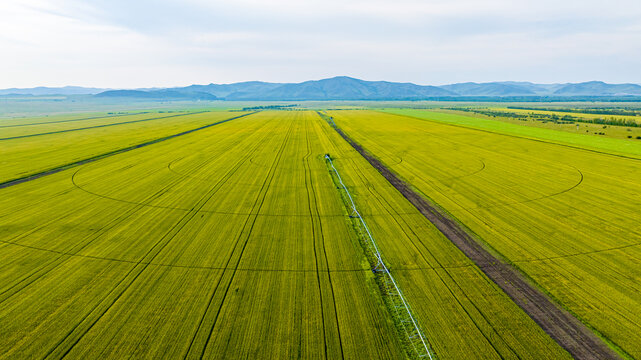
[(120, 43)]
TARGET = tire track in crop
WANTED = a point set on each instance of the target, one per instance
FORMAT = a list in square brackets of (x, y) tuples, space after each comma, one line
[(511, 203), (313, 227), (170, 167), (40, 200), (503, 204), (387, 206), (468, 174), (39, 272), (240, 139), (97, 126), (520, 137), (538, 198), (482, 220), (507, 203), (442, 180), (72, 120), (227, 264), (53, 263), (311, 198), (204, 267), (205, 211), (259, 202), (106, 304), (563, 327), (597, 251), (395, 216), (329, 271), (60, 168), (256, 163)]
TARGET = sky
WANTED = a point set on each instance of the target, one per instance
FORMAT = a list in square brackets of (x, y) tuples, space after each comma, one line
[(161, 43)]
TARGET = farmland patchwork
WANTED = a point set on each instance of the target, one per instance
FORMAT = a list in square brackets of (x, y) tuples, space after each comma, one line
[(237, 238)]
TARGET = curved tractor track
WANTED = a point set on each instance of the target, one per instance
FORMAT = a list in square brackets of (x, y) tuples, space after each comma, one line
[(563, 327), (111, 153)]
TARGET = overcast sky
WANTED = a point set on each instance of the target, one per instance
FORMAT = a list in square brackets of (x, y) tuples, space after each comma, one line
[(145, 43)]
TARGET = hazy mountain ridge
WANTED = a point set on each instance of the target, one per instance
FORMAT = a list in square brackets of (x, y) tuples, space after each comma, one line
[(591, 87), (489, 89), (165, 94), (43, 90), (345, 88)]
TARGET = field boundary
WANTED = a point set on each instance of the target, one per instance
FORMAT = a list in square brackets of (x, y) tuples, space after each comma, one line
[(545, 141), (570, 333), (111, 153), (398, 302), (99, 126), (72, 120)]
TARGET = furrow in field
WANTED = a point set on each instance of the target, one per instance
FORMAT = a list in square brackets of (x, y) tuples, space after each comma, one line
[(486, 329), (415, 174), (569, 332), (110, 153), (67, 344), (314, 234), (96, 126), (540, 140), (73, 120), (581, 230), (317, 233), (99, 204), (63, 255), (74, 250), (481, 332), (248, 224), (99, 209)]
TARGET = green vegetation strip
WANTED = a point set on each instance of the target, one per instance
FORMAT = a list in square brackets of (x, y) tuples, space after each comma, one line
[(97, 126), (405, 320), (601, 145), (111, 153), (73, 120), (558, 323)]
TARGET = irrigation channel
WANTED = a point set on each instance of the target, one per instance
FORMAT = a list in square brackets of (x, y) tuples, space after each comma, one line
[(394, 295)]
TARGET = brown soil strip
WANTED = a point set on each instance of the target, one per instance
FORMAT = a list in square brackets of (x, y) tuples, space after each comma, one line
[(557, 322), (110, 153)]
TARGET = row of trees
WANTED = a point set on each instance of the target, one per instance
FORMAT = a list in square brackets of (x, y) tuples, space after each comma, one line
[(565, 119), (603, 111)]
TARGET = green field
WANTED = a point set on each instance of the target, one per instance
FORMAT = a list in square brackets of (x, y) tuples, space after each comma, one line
[(603, 125), (234, 240), (561, 207)]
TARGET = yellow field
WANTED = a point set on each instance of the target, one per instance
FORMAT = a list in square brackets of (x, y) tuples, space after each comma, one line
[(229, 240), (567, 217), (26, 150), (578, 114)]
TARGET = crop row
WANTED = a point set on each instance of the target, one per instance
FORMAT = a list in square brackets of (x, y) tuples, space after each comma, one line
[(565, 216), (231, 241)]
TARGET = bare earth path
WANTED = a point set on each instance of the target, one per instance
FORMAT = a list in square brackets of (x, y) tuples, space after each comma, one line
[(114, 152), (562, 326)]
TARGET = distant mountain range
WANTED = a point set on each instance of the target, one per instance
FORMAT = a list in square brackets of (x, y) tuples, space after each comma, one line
[(39, 91), (163, 94), (346, 88)]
